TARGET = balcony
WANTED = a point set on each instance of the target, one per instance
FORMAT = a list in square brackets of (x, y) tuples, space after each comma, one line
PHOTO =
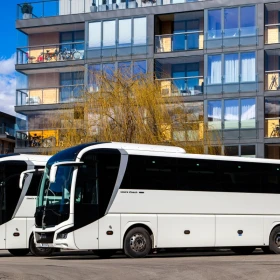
[(231, 37), (38, 138), (179, 42), (50, 8), (9, 131), (50, 53), (52, 95), (272, 80), (272, 24), (187, 86), (272, 127)]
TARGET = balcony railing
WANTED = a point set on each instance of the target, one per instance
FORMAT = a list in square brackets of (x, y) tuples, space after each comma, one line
[(39, 9), (272, 80), (231, 37), (228, 84), (50, 53), (51, 95), (182, 86), (38, 138), (67, 7), (179, 42), (272, 33), (7, 130)]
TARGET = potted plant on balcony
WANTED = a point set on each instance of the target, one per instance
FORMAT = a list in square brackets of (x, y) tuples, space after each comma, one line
[(93, 7), (26, 10)]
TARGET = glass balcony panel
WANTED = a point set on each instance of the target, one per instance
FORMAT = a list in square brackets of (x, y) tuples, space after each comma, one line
[(231, 37), (38, 138), (272, 34), (182, 86), (179, 42), (272, 127), (63, 94), (214, 39), (39, 9)]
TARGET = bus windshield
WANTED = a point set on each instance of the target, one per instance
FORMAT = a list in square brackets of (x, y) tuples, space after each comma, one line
[(55, 197)]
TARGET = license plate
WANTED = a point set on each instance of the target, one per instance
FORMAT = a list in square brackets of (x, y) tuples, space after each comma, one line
[(44, 245)]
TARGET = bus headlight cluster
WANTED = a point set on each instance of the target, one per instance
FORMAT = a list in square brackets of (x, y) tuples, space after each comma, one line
[(61, 236)]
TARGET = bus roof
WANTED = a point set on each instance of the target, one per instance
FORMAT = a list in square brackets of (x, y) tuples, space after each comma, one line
[(158, 150), (30, 157)]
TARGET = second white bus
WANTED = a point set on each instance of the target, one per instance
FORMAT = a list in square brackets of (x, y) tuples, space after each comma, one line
[(17, 204), (111, 196)]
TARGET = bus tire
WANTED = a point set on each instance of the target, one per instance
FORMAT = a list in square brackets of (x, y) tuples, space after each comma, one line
[(39, 252), (137, 243), (243, 250), (104, 254), (19, 252), (274, 240)]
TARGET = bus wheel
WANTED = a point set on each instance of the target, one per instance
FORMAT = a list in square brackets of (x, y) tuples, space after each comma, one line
[(243, 250), (104, 254), (40, 252), (137, 243), (274, 240), (19, 252)]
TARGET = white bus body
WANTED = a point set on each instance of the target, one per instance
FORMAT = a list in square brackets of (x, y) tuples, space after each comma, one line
[(137, 197), (17, 204)]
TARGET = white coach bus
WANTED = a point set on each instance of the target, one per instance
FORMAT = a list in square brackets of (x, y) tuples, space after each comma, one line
[(111, 196), (18, 203)]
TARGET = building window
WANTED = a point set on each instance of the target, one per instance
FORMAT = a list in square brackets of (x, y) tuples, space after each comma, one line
[(94, 38), (240, 150), (194, 125), (231, 72), (272, 151), (234, 65), (117, 37), (215, 115), (128, 68), (232, 114), (71, 86)]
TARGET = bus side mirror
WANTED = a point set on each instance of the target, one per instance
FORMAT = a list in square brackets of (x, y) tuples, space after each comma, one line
[(53, 173)]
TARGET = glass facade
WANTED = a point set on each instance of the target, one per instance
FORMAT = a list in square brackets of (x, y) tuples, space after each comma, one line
[(232, 114), (127, 68), (233, 26), (231, 72), (117, 37)]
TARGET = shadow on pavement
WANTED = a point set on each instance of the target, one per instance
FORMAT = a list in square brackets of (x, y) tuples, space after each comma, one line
[(88, 255)]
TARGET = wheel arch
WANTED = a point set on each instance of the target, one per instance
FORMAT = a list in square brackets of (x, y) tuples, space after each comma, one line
[(143, 225)]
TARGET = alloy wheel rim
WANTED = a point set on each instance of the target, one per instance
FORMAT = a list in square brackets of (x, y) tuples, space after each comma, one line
[(138, 242)]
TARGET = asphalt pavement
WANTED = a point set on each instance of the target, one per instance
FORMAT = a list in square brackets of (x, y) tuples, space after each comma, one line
[(215, 265)]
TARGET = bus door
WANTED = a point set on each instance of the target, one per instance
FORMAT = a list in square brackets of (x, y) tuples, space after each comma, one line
[(9, 195), (86, 210), (95, 183)]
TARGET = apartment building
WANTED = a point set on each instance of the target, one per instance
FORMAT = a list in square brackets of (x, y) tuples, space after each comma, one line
[(222, 58), (7, 133)]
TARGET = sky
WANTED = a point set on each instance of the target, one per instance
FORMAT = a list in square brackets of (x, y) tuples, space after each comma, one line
[(8, 44)]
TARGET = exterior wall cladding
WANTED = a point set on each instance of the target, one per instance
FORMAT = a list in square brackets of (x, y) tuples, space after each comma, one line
[(221, 56)]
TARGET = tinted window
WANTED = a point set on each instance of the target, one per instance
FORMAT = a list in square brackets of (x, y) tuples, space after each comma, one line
[(156, 173), (34, 184), (163, 173)]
